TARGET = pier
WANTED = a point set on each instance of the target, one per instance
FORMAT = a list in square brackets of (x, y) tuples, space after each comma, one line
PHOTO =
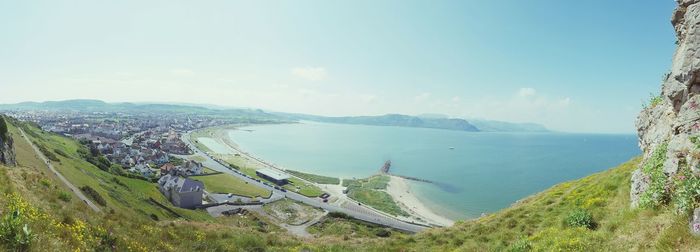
[(386, 170)]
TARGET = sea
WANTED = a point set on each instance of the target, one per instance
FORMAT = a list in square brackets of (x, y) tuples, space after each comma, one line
[(473, 172)]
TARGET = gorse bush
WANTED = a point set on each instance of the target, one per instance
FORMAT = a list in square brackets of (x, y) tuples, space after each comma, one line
[(580, 218), (64, 196)]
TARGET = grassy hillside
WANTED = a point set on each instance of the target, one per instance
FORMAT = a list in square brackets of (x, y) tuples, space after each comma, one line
[(543, 222), (56, 220), (589, 214)]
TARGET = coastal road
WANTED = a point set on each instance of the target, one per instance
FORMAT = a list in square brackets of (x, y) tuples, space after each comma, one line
[(72, 187), (351, 209)]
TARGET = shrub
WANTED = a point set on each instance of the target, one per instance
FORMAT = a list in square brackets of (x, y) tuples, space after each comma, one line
[(580, 218), (654, 100), (94, 195), (383, 233), (45, 182), (520, 245), (62, 195), (61, 152), (14, 233), (47, 153), (656, 194)]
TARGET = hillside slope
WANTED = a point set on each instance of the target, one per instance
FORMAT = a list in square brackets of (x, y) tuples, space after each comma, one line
[(537, 223)]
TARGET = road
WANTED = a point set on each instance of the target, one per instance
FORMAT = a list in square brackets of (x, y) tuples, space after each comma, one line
[(351, 209), (72, 187)]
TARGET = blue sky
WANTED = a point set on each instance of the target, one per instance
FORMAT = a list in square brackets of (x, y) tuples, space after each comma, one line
[(580, 66)]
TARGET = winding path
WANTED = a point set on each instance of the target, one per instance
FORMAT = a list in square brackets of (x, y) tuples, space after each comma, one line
[(72, 187)]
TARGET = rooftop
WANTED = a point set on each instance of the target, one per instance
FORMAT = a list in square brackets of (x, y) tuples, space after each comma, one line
[(274, 174)]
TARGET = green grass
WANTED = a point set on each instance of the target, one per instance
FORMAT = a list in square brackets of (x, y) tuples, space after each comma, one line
[(379, 200), (225, 183), (371, 191), (118, 198), (315, 178), (536, 223)]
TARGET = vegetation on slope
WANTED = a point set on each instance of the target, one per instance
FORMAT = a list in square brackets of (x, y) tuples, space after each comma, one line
[(320, 179), (541, 222), (371, 191), (33, 196)]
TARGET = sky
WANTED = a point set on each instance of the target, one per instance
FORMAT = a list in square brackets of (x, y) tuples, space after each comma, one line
[(576, 66)]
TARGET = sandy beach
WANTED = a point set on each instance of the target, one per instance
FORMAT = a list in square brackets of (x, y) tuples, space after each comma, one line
[(401, 192)]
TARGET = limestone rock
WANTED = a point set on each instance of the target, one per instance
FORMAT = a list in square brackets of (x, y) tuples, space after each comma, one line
[(640, 183), (7, 151), (677, 117), (695, 222)]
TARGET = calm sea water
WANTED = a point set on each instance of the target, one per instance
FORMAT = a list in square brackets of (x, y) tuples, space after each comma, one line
[(484, 172)]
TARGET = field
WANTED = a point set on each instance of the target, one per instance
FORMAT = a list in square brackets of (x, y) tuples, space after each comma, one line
[(315, 178), (225, 183)]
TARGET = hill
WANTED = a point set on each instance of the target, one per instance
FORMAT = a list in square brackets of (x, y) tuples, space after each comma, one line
[(253, 115), (539, 222), (390, 120)]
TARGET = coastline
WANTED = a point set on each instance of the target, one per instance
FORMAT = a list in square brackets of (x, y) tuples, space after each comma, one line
[(398, 188), (400, 191)]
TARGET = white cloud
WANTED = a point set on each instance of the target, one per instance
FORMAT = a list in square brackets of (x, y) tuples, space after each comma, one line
[(527, 92), (310, 73)]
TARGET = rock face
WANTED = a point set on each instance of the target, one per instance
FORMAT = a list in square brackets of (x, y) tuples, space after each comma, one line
[(7, 149), (675, 118)]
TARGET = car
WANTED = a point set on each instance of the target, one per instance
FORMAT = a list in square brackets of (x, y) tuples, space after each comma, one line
[(229, 195), (277, 187), (283, 190), (325, 200)]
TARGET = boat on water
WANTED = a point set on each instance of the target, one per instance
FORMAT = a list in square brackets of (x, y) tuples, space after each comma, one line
[(452, 148)]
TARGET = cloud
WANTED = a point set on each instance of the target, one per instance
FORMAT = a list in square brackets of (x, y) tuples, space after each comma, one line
[(310, 73), (182, 72), (527, 92)]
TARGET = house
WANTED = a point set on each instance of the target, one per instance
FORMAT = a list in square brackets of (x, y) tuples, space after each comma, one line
[(142, 169), (192, 167), (166, 168), (182, 192)]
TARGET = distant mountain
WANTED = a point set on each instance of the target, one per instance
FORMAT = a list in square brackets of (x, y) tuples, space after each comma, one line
[(101, 106), (435, 121), (390, 120), (498, 126)]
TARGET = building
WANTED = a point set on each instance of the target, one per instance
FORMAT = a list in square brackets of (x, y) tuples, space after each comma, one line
[(182, 192), (275, 176)]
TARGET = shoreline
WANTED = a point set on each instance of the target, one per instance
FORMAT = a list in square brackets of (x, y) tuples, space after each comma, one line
[(400, 191), (398, 188)]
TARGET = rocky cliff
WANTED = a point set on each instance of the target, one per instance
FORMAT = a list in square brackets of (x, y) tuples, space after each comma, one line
[(669, 127), (7, 149)]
